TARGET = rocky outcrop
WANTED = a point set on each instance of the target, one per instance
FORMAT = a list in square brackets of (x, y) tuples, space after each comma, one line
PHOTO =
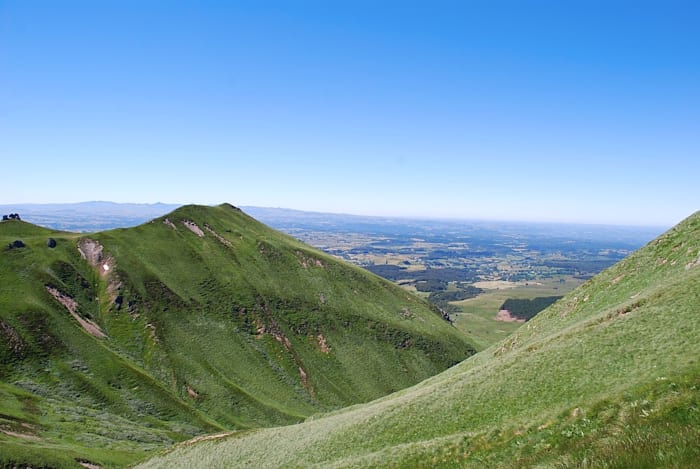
[(193, 227), (72, 306), (90, 250), (219, 238)]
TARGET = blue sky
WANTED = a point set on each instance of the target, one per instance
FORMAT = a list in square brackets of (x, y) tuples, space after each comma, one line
[(581, 111)]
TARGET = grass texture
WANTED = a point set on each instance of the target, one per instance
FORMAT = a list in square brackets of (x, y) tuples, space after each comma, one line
[(607, 377), (117, 344)]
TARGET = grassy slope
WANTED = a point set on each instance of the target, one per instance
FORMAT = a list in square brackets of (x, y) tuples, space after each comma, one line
[(249, 329), (607, 377)]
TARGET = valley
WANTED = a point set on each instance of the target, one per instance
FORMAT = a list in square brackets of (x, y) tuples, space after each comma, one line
[(606, 377), (349, 235), (467, 268), (247, 346)]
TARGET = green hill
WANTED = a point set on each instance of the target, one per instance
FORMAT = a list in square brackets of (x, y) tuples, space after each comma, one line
[(121, 342), (609, 376)]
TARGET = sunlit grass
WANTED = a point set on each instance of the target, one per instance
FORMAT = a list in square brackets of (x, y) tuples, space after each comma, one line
[(606, 377), (243, 327)]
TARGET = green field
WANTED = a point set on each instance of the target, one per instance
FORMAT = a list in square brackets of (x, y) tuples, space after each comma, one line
[(117, 344), (607, 377), (477, 319)]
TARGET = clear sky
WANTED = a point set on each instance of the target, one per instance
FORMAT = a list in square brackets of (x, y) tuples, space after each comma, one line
[(584, 111)]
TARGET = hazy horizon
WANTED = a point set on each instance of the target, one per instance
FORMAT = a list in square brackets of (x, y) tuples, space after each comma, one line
[(172, 206)]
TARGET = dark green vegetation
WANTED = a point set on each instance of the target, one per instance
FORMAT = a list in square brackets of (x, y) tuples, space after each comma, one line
[(527, 309), (424, 277), (444, 297), (609, 376), (118, 343)]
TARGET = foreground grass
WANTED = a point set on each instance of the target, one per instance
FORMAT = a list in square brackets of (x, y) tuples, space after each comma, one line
[(606, 377)]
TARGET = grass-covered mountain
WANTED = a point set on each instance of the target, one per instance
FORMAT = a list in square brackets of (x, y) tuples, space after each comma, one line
[(609, 376), (117, 343)]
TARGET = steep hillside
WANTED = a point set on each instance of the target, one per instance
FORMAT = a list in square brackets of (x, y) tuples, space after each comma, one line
[(607, 377), (121, 342)]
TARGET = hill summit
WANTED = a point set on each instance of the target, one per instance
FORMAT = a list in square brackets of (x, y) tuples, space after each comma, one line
[(124, 341)]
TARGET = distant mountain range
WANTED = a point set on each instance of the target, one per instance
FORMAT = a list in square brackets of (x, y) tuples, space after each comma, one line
[(99, 216), (88, 216)]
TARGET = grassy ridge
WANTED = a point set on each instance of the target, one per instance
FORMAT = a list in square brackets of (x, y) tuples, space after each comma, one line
[(212, 321), (606, 377)]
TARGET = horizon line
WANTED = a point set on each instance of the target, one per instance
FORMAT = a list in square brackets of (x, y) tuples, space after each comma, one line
[(415, 217)]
